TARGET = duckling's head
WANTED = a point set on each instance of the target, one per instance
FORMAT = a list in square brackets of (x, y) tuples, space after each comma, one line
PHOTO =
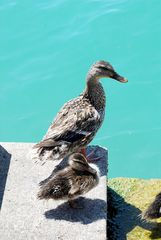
[(102, 69), (77, 161)]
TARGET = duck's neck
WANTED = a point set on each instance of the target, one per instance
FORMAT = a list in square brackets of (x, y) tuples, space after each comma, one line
[(95, 93)]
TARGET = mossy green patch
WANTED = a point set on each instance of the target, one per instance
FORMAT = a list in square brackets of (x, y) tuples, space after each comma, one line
[(128, 198)]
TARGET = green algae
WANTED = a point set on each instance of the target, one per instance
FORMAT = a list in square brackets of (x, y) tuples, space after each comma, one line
[(127, 199)]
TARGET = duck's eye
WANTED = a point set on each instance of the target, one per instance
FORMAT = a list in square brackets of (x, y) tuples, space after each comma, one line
[(103, 68)]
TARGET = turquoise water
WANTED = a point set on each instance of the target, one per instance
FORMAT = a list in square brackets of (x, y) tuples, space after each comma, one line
[(46, 48)]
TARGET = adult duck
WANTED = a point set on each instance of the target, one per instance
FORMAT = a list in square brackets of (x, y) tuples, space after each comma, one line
[(79, 119)]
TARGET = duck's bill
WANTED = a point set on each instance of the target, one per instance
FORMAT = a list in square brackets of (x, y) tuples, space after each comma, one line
[(119, 78)]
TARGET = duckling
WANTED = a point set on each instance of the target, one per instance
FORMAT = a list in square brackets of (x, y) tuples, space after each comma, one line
[(154, 210), (76, 179), (78, 121)]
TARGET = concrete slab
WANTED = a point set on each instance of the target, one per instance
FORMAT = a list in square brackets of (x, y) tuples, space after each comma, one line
[(23, 216)]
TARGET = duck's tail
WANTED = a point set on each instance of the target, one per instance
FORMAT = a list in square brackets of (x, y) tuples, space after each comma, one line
[(154, 210), (50, 150), (55, 188)]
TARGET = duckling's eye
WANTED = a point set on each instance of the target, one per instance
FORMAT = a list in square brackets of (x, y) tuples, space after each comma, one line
[(81, 163)]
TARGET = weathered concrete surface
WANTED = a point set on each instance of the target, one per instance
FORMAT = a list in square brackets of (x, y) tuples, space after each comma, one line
[(22, 216), (127, 198)]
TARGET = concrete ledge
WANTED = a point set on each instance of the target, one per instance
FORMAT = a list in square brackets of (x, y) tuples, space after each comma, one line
[(22, 216)]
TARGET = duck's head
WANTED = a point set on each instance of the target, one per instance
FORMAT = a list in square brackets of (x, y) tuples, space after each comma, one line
[(102, 69), (78, 162)]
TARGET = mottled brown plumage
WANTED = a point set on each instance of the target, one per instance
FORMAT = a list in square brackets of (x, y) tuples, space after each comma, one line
[(77, 122), (154, 210), (74, 180)]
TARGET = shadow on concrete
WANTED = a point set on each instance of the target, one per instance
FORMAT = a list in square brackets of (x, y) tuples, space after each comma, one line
[(96, 151), (5, 158), (93, 210), (124, 217)]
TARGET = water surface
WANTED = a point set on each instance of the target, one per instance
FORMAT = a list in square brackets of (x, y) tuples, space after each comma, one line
[(46, 48)]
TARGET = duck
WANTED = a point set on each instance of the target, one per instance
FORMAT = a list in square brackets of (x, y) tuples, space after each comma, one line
[(76, 179), (154, 210), (78, 121)]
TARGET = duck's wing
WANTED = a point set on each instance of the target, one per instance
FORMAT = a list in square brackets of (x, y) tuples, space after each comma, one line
[(75, 121), (57, 188)]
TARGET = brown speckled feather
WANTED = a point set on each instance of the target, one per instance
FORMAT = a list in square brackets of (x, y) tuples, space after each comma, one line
[(74, 127)]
